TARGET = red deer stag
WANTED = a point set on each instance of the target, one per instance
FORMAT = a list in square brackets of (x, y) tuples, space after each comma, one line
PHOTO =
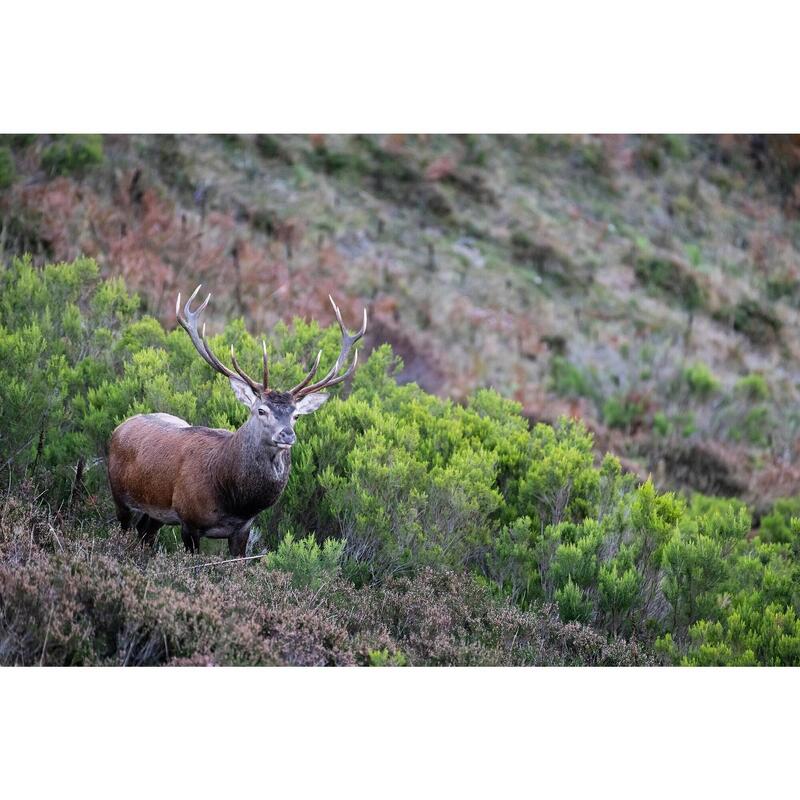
[(214, 482)]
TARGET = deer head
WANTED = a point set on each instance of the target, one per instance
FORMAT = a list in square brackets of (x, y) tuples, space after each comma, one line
[(273, 412)]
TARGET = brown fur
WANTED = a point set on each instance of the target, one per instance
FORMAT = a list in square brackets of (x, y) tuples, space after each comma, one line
[(212, 482)]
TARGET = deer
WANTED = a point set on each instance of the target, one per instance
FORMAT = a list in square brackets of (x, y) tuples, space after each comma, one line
[(211, 481)]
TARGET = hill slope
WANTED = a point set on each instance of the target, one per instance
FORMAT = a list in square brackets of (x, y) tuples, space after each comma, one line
[(645, 284)]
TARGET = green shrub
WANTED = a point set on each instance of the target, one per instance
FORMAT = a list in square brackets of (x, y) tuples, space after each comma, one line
[(622, 411), (755, 321), (73, 154), (755, 426), (383, 658), (777, 525), (670, 276), (753, 387), (569, 380), (661, 424), (700, 380), (573, 605), (309, 564)]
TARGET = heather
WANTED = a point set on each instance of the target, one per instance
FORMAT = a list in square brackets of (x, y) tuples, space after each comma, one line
[(71, 593), (414, 529)]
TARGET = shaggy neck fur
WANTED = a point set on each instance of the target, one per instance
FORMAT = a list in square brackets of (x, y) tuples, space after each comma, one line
[(251, 471)]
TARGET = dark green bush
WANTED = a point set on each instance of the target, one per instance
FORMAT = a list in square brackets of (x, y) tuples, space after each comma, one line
[(670, 276), (754, 320), (73, 154)]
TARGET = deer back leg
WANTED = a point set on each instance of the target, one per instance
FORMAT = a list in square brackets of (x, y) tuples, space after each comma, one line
[(124, 514), (237, 543)]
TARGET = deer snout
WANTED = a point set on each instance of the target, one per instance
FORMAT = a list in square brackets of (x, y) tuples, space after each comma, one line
[(286, 437)]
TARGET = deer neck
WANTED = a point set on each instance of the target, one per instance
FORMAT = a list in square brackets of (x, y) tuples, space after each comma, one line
[(251, 471)]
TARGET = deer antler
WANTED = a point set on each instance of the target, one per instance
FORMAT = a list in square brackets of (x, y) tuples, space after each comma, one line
[(189, 322), (348, 340)]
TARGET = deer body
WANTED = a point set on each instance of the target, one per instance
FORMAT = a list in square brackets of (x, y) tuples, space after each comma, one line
[(210, 481)]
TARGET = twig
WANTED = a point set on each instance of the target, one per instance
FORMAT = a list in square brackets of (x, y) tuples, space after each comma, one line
[(228, 561)]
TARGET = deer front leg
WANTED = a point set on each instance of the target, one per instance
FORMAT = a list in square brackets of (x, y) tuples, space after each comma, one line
[(191, 538), (148, 528)]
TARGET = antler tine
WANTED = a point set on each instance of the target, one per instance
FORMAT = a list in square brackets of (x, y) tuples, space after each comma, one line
[(244, 376), (348, 340), (311, 373), (188, 321)]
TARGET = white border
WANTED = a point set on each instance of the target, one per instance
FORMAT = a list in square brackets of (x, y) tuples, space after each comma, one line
[(419, 65), (414, 66), (399, 732)]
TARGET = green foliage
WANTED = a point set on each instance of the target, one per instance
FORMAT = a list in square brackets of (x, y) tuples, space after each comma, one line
[(619, 587), (753, 387), (573, 605), (756, 321), (57, 329), (73, 154), (382, 658), (309, 564), (622, 411), (661, 424), (700, 380), (777, 526), (669, 276), (7, 171), (569, 380), (754, 426), (18, 141)]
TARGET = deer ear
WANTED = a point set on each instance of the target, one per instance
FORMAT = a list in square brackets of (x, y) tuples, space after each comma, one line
[(309, 403), (244, 394)]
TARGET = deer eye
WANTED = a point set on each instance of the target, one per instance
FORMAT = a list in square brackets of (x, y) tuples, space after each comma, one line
[(262, 412)]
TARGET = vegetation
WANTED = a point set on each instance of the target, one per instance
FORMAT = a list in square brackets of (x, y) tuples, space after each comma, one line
[(413, 529), (72, 155)]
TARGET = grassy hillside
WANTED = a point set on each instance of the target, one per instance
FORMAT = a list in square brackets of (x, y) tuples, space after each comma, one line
[(646, 284)]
